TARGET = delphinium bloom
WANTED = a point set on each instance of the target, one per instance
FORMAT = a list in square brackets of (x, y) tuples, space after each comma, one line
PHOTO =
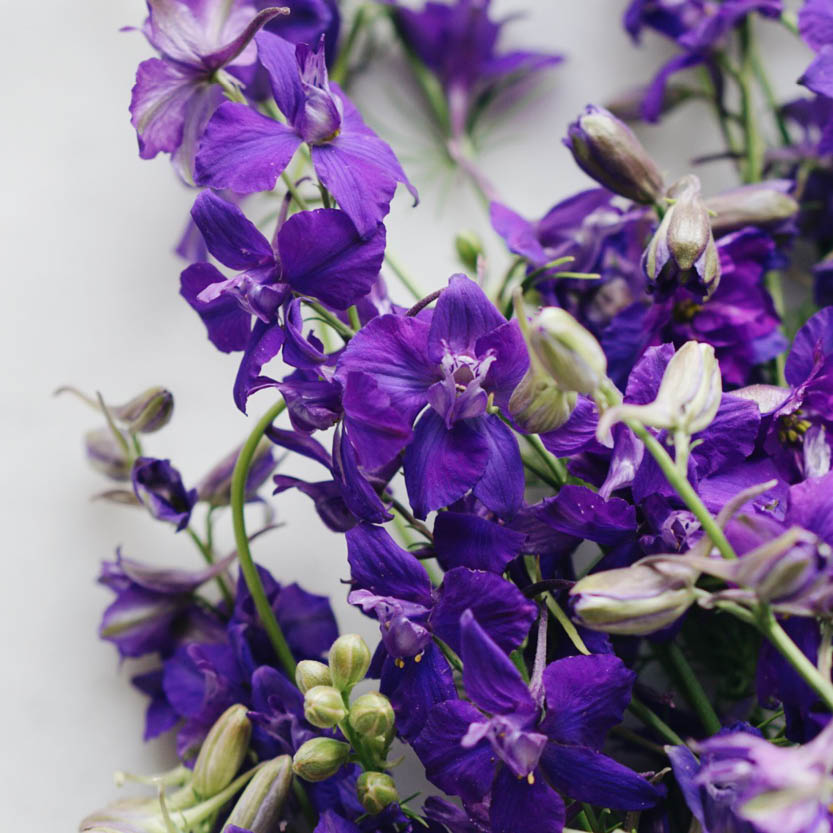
[(158, 485), (246, 152), (453, 364), (815, 21), (176, 94)]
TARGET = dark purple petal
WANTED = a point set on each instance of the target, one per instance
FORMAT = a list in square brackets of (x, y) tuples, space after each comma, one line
[(326, 495), (577, 433), (813, 343), (655, 94), (278, 58), (158, 485), (462, 540), (228, 52), (359, 495), (586, 697), (511, 360), (513, 799), (307, 621), (442, 465), (579, 511), (300, 444), (160, 715), (264, 344), (811, 506), (503, 612), (331, 822), (340, 268), (140, 622), (501, 488), (818, 77), (312, 403), (520, 235), (243, 151), (586, 775), (490, 677)]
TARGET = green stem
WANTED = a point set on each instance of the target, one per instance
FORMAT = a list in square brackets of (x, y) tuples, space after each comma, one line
[(555, 466), (772, 280), (353, 315), (336, 323), (693, 691), (244, 555), (720, 114), (404, 278), (292, 188), (755, 148), (565, 622), (208, 555), (769, 95), (653, 721), (342, 64)]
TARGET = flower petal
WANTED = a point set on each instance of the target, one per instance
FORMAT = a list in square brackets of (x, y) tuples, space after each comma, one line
[(501, 488), (463, 540), (264, 344), (513, 799)]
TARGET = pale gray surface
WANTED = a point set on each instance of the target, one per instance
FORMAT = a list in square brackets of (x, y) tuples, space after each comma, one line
[(90, 298)]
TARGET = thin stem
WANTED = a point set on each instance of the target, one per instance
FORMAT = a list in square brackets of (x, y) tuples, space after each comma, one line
[(569, 627), (755, 148), (244, 555), (292, 188), (208, 555), (653, 721), (337, 324), (342, 64), (412, 521), (353, 315), (772, 280), (404, 278), (689, 684), (769, 95), (555, 467)]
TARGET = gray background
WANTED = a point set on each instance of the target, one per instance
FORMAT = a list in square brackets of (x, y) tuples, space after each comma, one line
[(90, 298)]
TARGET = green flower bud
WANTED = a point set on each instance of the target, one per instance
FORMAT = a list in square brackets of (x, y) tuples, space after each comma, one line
[(538, 405), (349, 661), (320, 758), (371, 715), (259, 807), (376, 790), (147, 412), (222, 752), (760, 204), (324, 706), (567, 351), (469, 247), (309, 673)]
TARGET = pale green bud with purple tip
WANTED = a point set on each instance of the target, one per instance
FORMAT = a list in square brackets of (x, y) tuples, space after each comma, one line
[(376, 790), (635, 600), (259, 808), (759, 204), (606, 149), (349, 660), (310, 673), (148, 412), (320, 758), (324, 706), (106, 455), (222, 752)]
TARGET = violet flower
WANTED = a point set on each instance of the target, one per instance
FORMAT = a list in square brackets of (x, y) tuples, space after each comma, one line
[(246, 152), (158, 485), (175, 94)]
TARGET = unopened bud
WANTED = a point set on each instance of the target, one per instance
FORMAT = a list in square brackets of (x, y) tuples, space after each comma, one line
[(371, 715), (683, 246), (106, 455), (147, 412), (635, 600), (222, 752), (310, 673), (349, 661), (538, 405), (320, 758), (688, 396), (376, 790), (567, 351), (324, 706), (215, 487), (760, 204), (469, 248), (607, 150), (259, 808)]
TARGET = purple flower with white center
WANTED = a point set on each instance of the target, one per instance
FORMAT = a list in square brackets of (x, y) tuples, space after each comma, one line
[(745, 784), (158, 485), (175, 94), (154, 609), (504, 748), (247, 152), (458, 42), (467, 353)]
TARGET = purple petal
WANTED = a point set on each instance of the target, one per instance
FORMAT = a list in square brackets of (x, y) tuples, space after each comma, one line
[(520, 235), (507, 345), (813, 343), (307, 621), (243, 151), (160, 715), (264, 344), (490, 677), (300, 444), (579, 511), (811, 506), (278, 59), (655, 94), (227, 53), (541, 809), (326, 495), (442, 465), (818, 77), (359, 495), (340, 268), (462, 540), (815, 22), (577, 433), (304, 353), (501, 488)]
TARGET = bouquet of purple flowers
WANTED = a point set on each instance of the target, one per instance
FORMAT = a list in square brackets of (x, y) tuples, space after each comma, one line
[(588, 500)]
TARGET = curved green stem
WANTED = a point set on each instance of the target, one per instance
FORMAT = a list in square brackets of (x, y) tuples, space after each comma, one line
[(293, 189), (337, 324), (555, 466), (690, 686), (244, 555), (653, 721), (404, 278)]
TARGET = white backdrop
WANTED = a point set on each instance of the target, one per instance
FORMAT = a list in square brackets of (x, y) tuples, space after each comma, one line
[(90, 298)]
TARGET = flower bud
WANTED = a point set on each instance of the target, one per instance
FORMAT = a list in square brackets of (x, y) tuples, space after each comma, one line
[(258, 809), (324, 706), (567, 351), (683, 246), (215, 487), (222, 752), (607, 150), (158, 485), (538, 405), (688, 396), (371, 715), (469, 248), (147, 412), (106, 455), (635, 600), (310, 673), (760, 204), (349, 661), (320, 758), (376, 790)]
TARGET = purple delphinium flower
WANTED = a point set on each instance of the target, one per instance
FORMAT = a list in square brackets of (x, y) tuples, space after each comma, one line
[(158, 485), (246, 152), (815, 22), (466, 353), (176, 94), (458, 42), (505, 749), (338, 270)]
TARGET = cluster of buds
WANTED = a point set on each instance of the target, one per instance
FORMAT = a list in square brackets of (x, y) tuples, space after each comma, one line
[(202, 794), (366, 723)]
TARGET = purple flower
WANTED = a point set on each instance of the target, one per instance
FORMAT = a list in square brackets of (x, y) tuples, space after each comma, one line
[(175, 94), (158, 485), (504, 747), (246, 152), (466, 353)]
